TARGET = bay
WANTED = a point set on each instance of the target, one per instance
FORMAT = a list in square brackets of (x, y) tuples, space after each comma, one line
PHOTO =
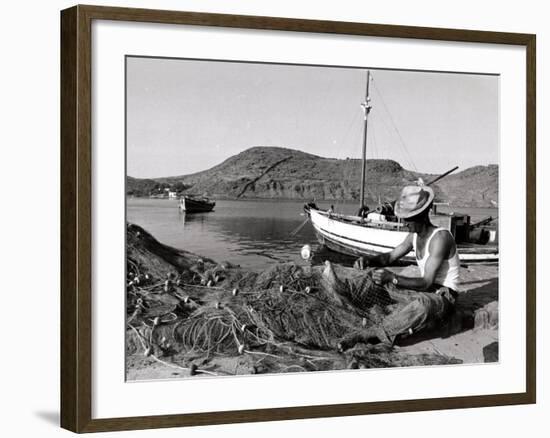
[(250, 233)]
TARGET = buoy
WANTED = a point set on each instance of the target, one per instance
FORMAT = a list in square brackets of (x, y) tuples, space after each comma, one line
[(147, 351), (308, 289), (156, 321), (364, 322), (147, 276), (235, 292), (138, 234), (241, 349), (136, 280), (186, 299), (217, 278), (306, 252), (209, 284), (217, 305), (243, 327), (281, 288)]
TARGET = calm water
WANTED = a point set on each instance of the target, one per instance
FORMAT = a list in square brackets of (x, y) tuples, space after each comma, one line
[(252, 234)]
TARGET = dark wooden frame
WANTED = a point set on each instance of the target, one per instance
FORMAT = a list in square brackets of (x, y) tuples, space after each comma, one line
[(76, 192)]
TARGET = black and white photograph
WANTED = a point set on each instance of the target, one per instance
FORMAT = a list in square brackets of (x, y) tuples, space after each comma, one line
[(288, 218)]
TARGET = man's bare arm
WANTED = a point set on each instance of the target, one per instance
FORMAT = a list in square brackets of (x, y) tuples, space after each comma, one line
[(388, 258)]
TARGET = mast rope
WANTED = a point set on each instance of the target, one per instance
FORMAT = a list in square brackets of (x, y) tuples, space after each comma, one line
[(346, 168), (401, 141), (374, 144)]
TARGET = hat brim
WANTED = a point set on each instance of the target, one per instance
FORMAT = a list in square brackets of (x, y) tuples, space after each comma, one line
[(401, 214)]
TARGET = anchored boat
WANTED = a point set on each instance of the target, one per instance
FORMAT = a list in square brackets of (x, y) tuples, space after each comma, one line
[(373, 232), (196, 204)]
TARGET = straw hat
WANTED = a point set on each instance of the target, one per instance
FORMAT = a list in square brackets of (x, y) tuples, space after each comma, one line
[(413, 200)]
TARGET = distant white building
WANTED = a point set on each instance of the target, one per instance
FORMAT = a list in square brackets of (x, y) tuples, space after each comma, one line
[(172, 195)]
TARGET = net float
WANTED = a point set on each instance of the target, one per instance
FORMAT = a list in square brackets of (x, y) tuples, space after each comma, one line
[(156, 321), (235, 292), (305, 252)]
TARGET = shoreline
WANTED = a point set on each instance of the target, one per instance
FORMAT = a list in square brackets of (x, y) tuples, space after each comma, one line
[(470, 337), (297, 201)]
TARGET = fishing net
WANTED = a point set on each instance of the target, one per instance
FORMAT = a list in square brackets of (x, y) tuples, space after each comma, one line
[(365, 293), (291, 316)]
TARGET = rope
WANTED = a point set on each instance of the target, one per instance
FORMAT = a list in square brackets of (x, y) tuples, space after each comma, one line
[(402, 142), (299, 227)]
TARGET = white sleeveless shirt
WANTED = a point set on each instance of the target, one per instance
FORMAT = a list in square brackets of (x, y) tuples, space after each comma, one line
[(447, 274)]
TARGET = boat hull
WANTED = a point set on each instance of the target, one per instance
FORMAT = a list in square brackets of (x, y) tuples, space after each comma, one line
[(363, 240), (190, 205)]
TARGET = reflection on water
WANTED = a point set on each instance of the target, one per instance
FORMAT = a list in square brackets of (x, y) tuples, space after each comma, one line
[(252, 234)]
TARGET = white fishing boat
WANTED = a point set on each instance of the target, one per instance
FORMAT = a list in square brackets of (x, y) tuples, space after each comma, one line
[(378, 231)]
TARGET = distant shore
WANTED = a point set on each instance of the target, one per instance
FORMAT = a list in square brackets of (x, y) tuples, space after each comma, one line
[(289, 174), (298, 201)]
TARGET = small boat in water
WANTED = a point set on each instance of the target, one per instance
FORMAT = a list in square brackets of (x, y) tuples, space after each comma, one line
[(372, 232), (196, 204)]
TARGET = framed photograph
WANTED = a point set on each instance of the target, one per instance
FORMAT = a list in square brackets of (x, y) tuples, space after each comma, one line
[(270, 218)]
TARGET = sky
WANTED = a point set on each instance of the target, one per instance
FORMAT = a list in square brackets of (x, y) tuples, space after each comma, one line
[(184, 116)]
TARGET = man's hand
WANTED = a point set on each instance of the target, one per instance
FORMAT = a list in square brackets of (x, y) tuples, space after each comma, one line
[(382, 276)]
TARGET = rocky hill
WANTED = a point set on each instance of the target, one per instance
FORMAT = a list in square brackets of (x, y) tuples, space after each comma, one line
[(280, 173)]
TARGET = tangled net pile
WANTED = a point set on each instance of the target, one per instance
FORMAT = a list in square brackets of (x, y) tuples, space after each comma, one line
[(291, 316)]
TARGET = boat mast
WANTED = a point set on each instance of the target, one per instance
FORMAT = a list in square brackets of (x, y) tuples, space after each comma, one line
[(366, 109)]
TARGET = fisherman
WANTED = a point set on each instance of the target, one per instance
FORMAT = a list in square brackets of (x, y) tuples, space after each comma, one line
[(438, 261), (363, 211)]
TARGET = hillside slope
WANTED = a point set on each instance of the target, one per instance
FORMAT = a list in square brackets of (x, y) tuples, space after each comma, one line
[(281, 173)]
